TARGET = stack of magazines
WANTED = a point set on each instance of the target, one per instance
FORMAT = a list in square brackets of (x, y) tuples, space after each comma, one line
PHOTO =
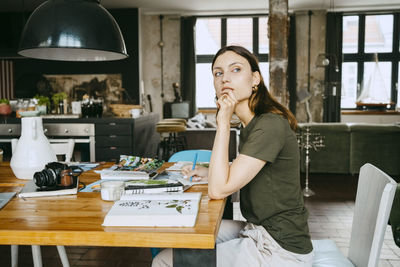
[(132, 168)]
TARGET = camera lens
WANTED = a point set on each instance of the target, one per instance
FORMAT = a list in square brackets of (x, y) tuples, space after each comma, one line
[(45, 178)]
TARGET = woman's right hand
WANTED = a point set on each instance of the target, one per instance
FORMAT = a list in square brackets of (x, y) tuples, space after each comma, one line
[(199, 172), (226, 105)]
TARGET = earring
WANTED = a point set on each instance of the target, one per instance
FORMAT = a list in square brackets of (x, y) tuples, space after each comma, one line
[(254, 88)]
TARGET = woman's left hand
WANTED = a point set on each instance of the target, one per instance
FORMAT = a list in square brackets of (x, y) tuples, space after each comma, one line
[(198, 174)]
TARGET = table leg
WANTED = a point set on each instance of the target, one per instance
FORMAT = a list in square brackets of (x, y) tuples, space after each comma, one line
[(183, 257)]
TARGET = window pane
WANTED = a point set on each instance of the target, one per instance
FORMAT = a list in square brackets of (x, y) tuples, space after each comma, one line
[(240, 32), (264, 67), (263, 45), (375, 87), (208, 36), (398, 91), (205, 92), (350, 34), (378, 33), (349, 85)]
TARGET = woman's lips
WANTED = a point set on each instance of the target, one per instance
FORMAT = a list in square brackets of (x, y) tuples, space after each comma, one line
[(225, 90)]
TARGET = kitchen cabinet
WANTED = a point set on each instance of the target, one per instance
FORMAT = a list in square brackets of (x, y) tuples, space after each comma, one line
[(106, 139), (113, 139), (118, 136)]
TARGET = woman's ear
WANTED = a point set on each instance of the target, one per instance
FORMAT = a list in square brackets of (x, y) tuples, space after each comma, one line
[(256, 78)]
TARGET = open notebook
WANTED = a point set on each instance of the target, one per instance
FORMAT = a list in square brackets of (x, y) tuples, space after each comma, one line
[(166, 210)]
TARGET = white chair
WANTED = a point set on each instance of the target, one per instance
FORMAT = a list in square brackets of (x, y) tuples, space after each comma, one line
[(62, 147), (375, 193)]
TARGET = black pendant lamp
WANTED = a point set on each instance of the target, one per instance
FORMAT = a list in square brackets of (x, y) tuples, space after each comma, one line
[(72, 30)]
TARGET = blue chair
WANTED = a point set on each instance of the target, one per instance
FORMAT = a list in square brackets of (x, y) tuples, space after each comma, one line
[(188, 155)]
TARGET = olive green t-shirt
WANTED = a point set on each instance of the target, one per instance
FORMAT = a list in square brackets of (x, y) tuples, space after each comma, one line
[(273, 197)]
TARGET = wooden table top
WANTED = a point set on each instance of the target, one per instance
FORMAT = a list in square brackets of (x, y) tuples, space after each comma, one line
[(75, 220)]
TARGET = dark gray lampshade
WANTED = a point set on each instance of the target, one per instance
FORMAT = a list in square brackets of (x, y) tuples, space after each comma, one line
[(72, 30)]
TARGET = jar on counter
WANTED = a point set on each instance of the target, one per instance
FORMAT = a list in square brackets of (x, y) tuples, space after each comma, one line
[(31, 104), (21, 106)]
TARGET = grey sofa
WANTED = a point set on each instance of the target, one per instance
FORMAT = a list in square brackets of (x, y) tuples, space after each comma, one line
[(348, 146)]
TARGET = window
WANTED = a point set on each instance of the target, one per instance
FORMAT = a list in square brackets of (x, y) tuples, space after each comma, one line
[(212, 33), (370, 47)]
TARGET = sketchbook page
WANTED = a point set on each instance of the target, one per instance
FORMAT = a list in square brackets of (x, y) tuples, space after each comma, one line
[(177, 176), (123, 175), (178, 165), (31, 190), (162, 210)]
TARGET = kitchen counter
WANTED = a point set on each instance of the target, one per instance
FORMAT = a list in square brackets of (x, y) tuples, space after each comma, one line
[(69, 119), (107, 137)]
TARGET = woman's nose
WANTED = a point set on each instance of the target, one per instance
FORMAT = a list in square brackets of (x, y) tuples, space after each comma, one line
[(225, 77)]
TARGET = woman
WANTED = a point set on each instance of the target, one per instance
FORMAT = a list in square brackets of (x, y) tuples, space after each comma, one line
[(266, 171)]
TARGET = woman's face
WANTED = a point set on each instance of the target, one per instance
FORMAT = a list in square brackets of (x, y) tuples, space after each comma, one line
[(233, 72)]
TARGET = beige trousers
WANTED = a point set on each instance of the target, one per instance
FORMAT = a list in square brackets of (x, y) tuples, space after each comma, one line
[(245, 244)]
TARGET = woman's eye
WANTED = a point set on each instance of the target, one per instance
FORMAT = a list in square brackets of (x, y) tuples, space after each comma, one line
[(237, 69), (217, 73)]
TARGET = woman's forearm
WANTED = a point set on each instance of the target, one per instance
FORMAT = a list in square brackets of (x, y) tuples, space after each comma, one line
[(218, 174)]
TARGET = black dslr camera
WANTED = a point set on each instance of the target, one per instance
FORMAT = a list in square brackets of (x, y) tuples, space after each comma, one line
[(57, 175)]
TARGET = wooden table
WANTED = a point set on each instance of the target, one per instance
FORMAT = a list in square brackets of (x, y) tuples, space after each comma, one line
[(75, 220)]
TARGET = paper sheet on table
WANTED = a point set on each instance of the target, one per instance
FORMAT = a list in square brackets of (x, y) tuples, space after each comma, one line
[(179, 165), (185, 181)]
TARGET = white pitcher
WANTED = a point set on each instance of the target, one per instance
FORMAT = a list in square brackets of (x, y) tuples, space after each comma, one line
[(33, 151)]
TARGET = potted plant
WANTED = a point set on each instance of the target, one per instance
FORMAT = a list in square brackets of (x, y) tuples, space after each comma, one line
[(58, 101), (43, 102), (5, 108)]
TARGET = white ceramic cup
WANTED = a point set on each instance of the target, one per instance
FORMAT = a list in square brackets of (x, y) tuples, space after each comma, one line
[(112, 190), (76, 107), (135, 112)]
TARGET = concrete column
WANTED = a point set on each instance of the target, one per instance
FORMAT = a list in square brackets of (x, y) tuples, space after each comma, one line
[(278, 28)]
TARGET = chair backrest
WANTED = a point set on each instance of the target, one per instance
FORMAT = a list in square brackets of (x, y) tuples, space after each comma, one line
[(63, 147), (375, 193), (188, 155)]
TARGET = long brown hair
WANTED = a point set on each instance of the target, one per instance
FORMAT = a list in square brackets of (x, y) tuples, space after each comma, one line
[(261, 101)]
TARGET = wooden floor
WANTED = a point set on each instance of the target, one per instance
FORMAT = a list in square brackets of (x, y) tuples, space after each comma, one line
[(331, 211)]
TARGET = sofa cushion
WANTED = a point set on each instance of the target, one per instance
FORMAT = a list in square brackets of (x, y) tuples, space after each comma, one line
[(378, 144), (335, 156)]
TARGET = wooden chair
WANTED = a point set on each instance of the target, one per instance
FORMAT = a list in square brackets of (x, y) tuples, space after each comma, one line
[(63, 147), (375, 193), (170, 142)]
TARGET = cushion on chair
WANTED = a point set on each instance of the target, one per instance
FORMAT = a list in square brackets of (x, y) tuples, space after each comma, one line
[(188, 155), (327, 254)]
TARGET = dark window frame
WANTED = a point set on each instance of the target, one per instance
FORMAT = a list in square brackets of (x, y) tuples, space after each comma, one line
[(262, 57), (361, 57)]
